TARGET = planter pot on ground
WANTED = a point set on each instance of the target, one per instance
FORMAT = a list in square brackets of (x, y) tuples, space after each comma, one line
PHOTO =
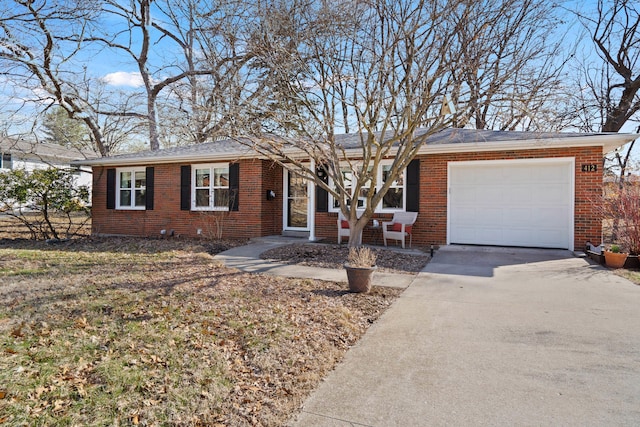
[(360, 278), (615, 259)]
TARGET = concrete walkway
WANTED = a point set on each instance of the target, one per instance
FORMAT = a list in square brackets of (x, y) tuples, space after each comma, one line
[(247, 258), (493, 337)]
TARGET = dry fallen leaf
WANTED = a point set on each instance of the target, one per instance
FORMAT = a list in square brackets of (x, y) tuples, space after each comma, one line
[(188, 329), (3, 394), (39, 391), (81, 322), (17, 332), (58, 405)]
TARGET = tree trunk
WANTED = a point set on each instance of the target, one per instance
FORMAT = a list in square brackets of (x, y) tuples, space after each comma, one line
[(154, 139), (621, 113), (356, 227)]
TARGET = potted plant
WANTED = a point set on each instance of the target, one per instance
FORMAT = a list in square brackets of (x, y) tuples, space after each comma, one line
[(614, 258), (360, 266)]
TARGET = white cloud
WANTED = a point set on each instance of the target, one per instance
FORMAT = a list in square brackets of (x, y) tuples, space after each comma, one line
[(123, 78)]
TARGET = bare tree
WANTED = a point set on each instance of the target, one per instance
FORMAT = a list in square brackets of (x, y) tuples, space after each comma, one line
[(135, 38), (219, 103), (377, 67), (610, 88), (119, 131), (617, 38), (609, 95), (383, 70), (191, 57), (37, 55), (510, 64)]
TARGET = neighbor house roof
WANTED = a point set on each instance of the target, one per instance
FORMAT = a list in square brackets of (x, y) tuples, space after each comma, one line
[(42, 151), (445, 141)]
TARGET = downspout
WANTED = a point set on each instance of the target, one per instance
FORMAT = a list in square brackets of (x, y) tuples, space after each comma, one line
[(312, 206)]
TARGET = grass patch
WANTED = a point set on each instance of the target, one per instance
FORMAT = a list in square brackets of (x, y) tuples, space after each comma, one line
[(632, 275), (142, 332)]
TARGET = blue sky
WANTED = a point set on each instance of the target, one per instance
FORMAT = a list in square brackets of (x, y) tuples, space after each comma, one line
[(119, 72)]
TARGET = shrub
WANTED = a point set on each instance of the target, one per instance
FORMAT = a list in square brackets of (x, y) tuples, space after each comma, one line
[(35, 198), (624, 206)]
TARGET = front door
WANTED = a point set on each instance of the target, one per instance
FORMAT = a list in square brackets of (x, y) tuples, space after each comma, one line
[(296, 202)]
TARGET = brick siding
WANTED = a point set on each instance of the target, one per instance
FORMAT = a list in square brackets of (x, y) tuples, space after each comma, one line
[(431, 225), (256, 216), (260, 217)]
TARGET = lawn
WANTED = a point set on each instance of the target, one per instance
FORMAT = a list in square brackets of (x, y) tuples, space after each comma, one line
[(157, 332), (632, 275)]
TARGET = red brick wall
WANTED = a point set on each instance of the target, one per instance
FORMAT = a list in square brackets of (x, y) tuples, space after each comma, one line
[(259, 217), (255, 217), (431, 226)]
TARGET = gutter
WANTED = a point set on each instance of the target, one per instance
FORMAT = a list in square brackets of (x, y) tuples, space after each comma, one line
[(608, 142), (166, 159)]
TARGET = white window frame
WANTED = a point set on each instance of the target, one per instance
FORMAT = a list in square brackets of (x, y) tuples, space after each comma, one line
[(211, 186), (380, 183), (3, 163), (285, 201), (133, 188), (403, 176)]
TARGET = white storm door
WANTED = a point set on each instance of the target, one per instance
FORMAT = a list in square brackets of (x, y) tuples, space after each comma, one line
[(296, 202)]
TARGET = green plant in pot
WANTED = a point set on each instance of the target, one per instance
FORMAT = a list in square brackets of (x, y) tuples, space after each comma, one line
[(360, 265), (614, 257)]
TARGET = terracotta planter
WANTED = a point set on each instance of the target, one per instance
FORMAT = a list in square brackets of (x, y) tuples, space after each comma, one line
[(615, 259), (359, 278)]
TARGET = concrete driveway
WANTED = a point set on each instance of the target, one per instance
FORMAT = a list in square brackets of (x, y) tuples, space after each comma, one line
[(494, 337)]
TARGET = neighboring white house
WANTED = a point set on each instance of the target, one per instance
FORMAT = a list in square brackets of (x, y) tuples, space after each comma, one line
[(30, 155)]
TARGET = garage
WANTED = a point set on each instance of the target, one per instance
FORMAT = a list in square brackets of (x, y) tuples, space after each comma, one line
[(525, 203)]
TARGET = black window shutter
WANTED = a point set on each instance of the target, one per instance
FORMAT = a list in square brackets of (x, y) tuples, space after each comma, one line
[(413, 186), (111, 188), (234, 186), (322, 195), (149, 189), (185, 188)]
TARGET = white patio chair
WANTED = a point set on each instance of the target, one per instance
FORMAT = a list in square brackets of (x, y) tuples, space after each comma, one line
[(399, 227)]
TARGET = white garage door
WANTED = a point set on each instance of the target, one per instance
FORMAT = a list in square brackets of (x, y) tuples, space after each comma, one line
[(512, 203)]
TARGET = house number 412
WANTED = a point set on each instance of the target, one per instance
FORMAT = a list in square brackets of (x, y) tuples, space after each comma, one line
[(593, 167)]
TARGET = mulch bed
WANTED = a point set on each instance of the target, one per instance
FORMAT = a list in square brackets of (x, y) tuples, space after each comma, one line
[(334, 256)]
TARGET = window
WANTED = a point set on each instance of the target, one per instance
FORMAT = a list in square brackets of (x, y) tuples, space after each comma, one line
[(210, 187), (5, 161), (347, 178), (132, 187), (394, 200)]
